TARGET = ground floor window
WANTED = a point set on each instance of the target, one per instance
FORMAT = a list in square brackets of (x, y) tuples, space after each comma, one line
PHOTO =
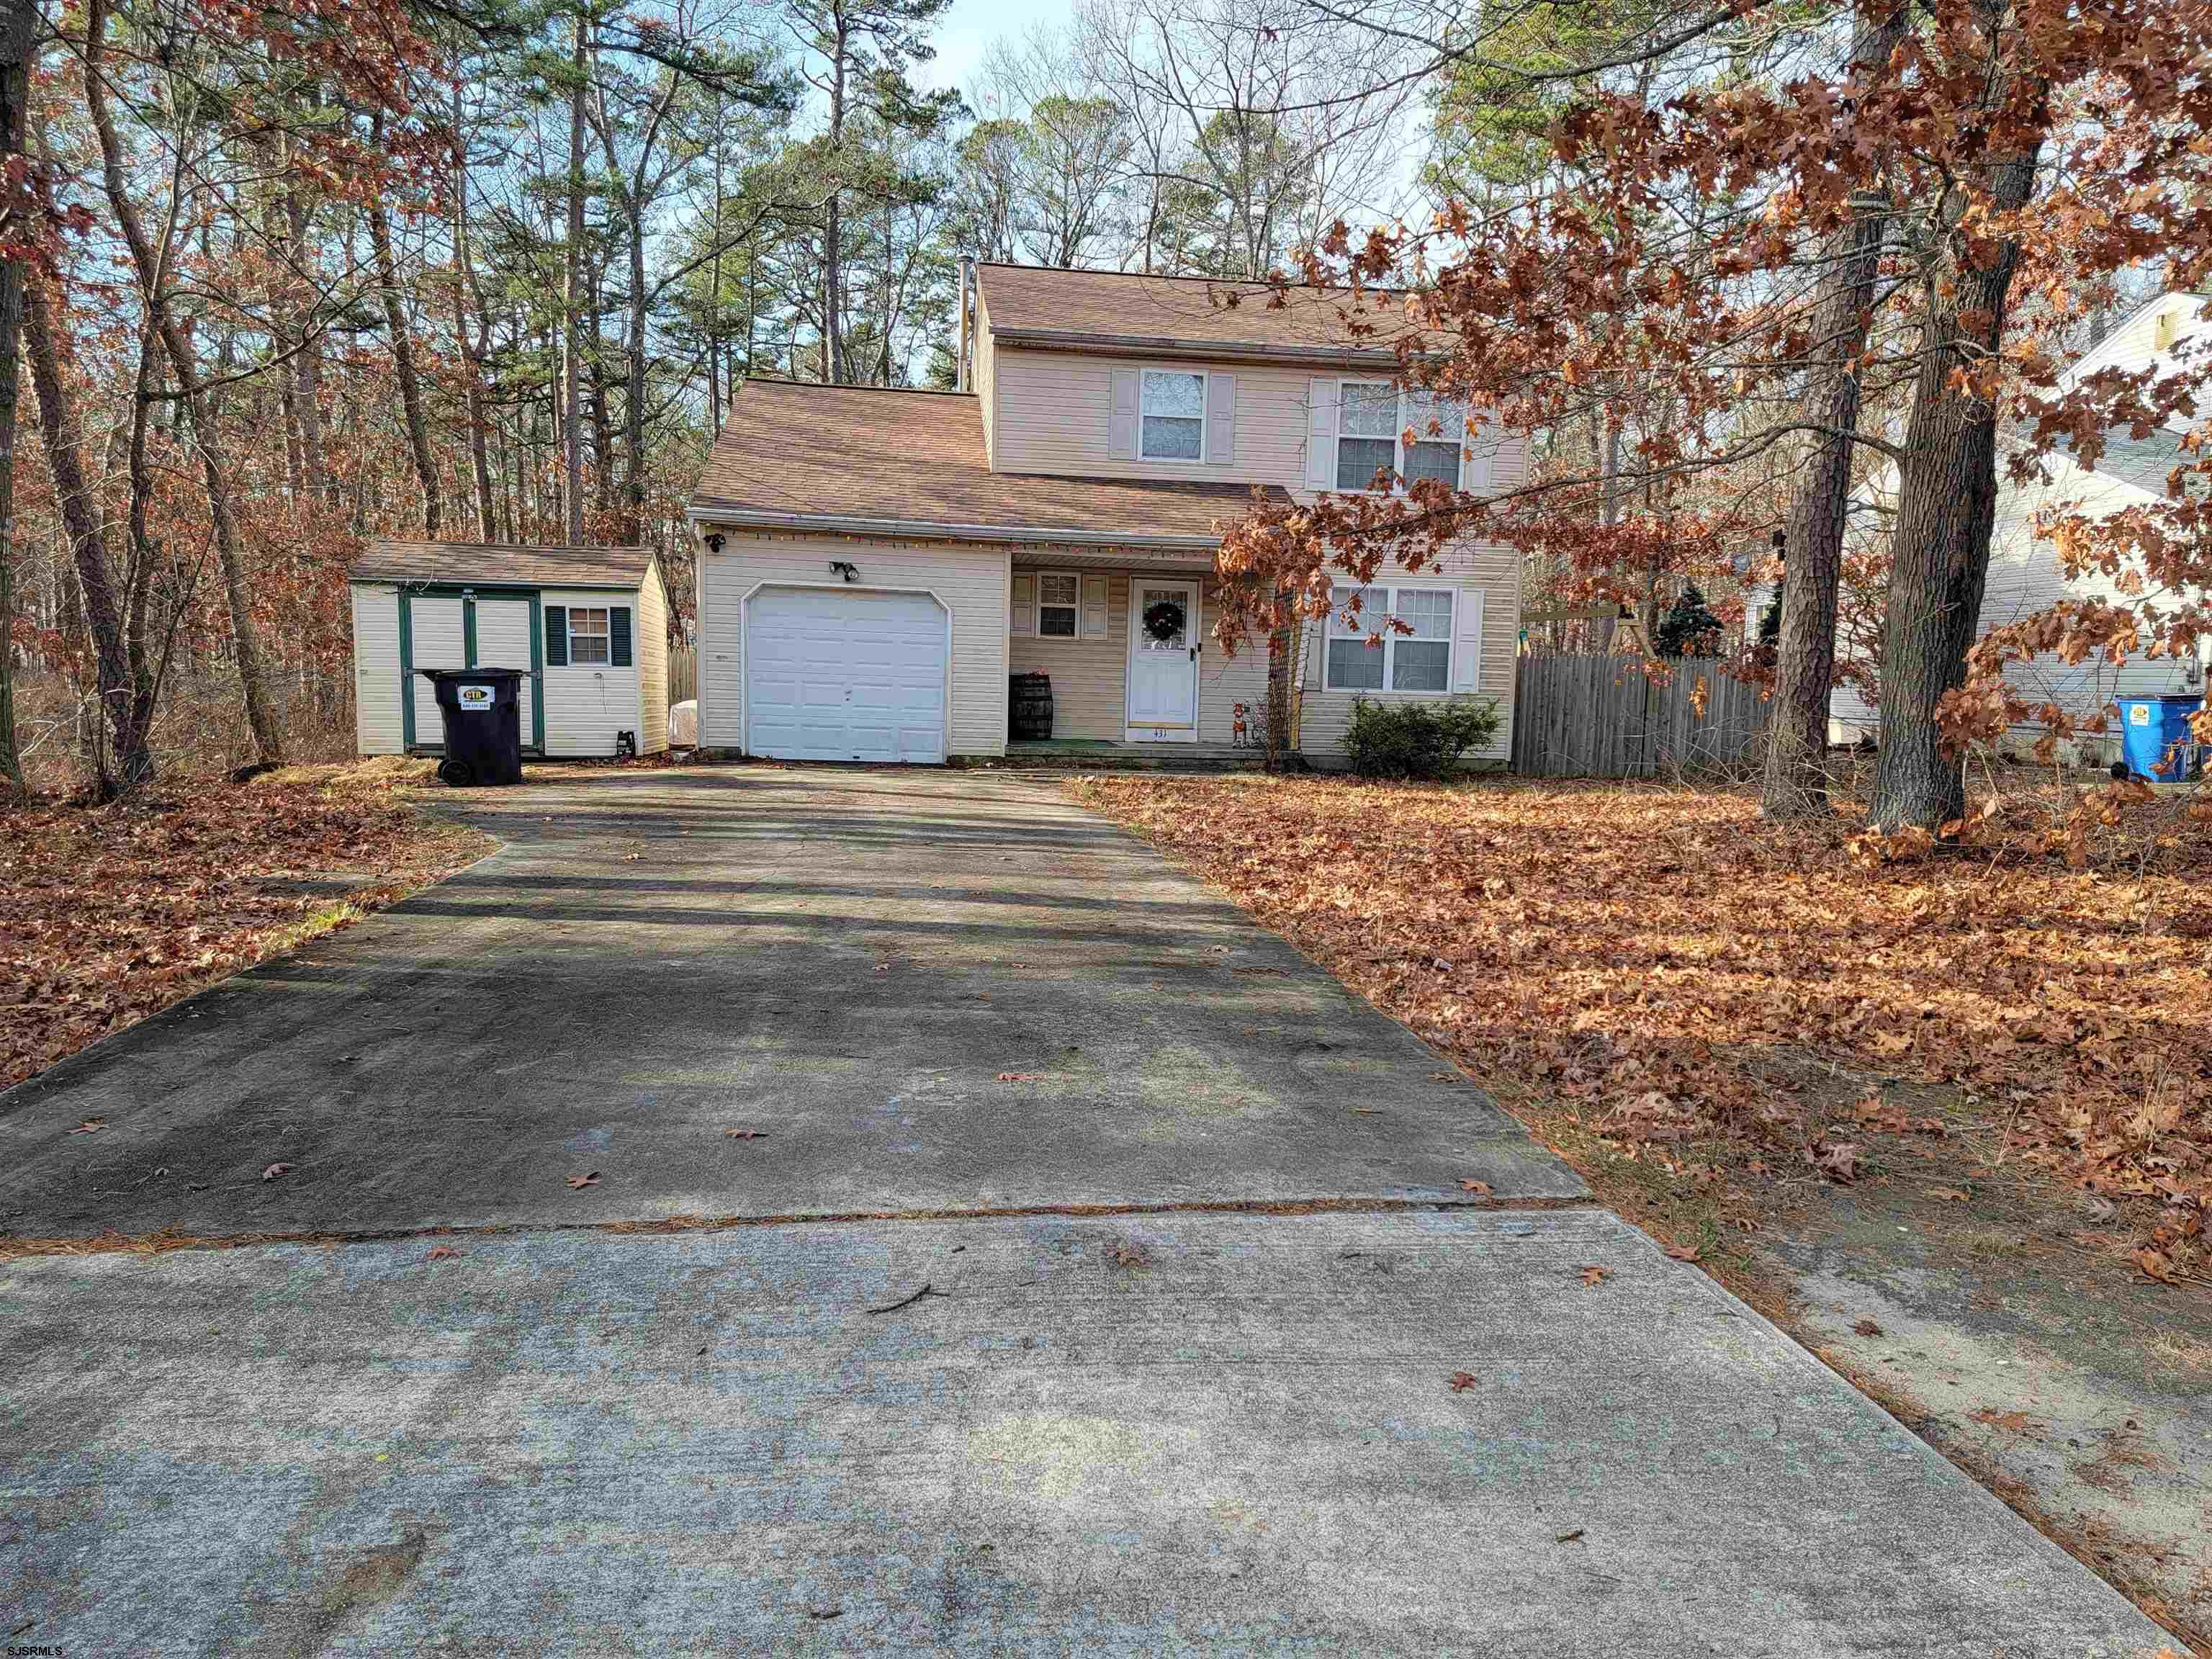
[(1366, 652)]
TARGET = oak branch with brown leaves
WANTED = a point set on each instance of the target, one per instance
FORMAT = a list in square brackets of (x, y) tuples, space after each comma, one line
[(1767, 258)]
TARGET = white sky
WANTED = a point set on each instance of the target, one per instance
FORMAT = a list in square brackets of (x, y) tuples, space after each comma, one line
[(968, 27)]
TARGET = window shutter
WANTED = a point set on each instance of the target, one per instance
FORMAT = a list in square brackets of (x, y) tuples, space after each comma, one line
[(1220, 419), (1478, 450), (1321, 435), (1094, 607), (618, 636), (1023, 620), (557, 637), (1467, 640), (1122, 417)]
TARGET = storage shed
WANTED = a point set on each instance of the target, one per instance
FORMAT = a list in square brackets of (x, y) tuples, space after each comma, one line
[(588, 625)]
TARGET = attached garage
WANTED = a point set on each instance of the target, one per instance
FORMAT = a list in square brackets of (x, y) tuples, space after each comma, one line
[(588, 626), (846, 674)]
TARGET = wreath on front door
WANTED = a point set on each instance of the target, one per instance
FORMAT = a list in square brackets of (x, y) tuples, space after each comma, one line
[(1163, 619)]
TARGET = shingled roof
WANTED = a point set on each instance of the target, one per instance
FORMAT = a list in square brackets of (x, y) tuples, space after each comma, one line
[(484, 563), (870, 458), (1121, 311)]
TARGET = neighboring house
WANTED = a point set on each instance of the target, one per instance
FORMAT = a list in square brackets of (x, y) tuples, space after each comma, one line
[(589, 625), (2026, 575), (875, 564)]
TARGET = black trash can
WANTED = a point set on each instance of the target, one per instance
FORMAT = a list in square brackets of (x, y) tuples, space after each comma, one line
[(482, 711)]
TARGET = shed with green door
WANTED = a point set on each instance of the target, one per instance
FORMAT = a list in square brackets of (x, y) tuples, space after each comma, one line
[(587, 625)]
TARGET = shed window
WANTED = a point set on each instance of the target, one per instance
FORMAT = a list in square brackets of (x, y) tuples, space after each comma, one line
[(588, 636), (1174, 416)]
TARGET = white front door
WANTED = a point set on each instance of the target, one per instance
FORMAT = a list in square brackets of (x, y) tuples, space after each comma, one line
[(845, 674), (1163, 645)]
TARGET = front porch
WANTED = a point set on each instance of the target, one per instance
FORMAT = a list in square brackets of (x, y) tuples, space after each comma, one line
[(1124, 641)]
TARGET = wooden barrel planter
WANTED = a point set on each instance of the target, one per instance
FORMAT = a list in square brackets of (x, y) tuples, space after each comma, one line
[(1029, 717)]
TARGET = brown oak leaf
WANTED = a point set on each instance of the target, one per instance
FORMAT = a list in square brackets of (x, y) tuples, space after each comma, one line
[(274, 1170), (583, 1181), (1594, 1275), (91, 1125), (1463, 1381)]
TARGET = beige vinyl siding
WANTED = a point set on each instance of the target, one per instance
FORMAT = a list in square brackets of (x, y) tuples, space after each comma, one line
[(1052, 408), (1088, 677), (969, 579), (377, 729), (651, 654), (1225, 681), (586, 706), (1325, 715), (986, 379)]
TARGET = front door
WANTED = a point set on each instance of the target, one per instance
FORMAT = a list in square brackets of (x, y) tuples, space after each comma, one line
[(1163, 646)]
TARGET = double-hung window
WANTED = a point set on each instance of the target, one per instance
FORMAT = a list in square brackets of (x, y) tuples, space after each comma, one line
[(1060, 603), (1366, 653), (1373, 418), (588, 636), (1171, 415)]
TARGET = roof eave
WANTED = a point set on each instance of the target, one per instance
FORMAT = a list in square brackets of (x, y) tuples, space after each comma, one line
[(1164, 345), (740, 518)]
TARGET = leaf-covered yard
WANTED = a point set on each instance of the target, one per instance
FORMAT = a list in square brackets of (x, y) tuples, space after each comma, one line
[(111, 913), (1741, 1004)]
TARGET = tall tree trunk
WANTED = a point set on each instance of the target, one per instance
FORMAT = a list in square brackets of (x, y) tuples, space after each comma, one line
[(572, 297), (14, 92), (402, 344), (472, 346), (126, 688), (633, 514), (153, 278), (307, 364), (1947, 506), (1796, 780)]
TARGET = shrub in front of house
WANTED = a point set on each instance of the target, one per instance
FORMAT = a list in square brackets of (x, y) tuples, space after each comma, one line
[(1395, 739)]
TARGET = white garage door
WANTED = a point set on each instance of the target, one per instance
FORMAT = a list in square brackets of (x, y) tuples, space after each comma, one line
[(839, 675)]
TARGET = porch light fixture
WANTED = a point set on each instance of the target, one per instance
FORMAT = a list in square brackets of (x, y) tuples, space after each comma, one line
[(840, 568)]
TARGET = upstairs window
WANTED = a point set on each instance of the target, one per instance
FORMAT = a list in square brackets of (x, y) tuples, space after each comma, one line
[(1172, 416), (1372, 420)]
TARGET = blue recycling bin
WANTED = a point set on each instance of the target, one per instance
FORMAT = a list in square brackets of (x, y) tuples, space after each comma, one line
[(2150, 729)]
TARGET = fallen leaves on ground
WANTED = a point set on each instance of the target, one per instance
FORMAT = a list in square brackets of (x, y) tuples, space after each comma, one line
[(91, 1125), (1480, 1188), (1667, 966), (1019, 1077), (275, 1169), (579, 1182), (1594, 1275), (1463, 1381), (745, 1134), (1684, 1252), (111, 913), (441, 1253), (1867, 1327), (2012, 1422)]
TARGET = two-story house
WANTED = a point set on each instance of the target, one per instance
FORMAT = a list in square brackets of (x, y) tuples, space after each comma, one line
[(874, 564)]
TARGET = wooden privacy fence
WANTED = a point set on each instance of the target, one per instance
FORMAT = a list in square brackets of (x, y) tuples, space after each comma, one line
[(683, 672), (1601, 716)]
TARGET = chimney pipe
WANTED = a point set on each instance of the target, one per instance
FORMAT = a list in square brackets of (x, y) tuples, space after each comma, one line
[(960, 369)]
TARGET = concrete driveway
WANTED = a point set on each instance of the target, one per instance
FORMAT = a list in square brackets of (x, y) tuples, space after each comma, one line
[(1179, 1338)]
